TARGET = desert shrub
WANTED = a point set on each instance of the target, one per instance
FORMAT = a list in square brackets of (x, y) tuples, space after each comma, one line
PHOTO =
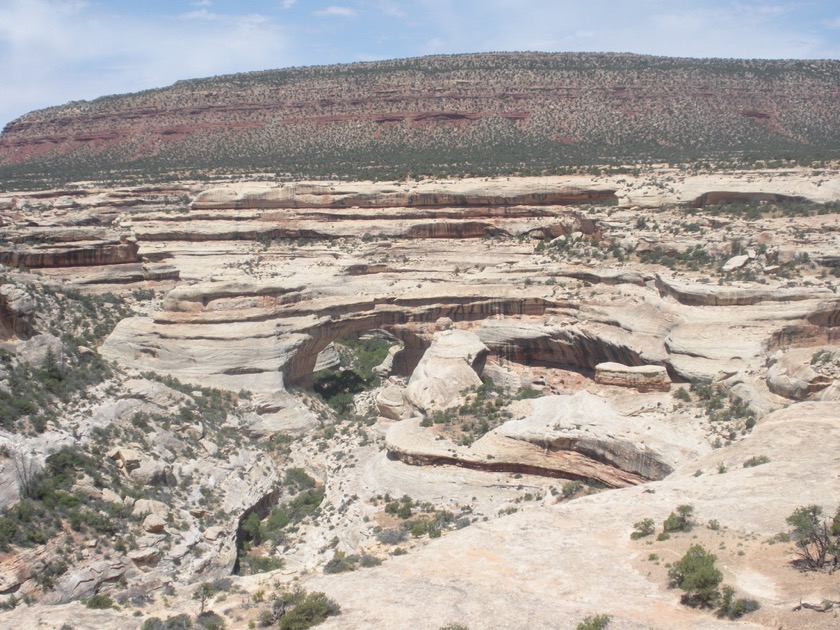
[(177, 622), (696, 574), (815, 537), (756, 460), (308, 610), (682, 394), (341, 563), (100, 601), (250, 564), (594, 622), (680, 521), (367, 561), (391, 536), (731, 608), (401, 508), (643, 528), (210, 620), (298, 480), (570, 489)]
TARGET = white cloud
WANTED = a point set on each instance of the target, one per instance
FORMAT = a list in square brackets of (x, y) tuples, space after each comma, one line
[(52, 51), (835, 23), (201, 14), (202, 3), (390, 8), (288, 4), (336, 11)]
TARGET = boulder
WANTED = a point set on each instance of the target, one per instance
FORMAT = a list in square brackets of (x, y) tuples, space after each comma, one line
[(451, 365), (144, 555), (390, 402), (154, 523), (127, 459), (140, 467), (384, 369), (736, 262), (142, 507), (644, 378), (213, 533), (16, 311)]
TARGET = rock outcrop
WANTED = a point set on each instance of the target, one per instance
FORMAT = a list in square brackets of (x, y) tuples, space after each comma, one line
[(77, 251), (641, 377), (451, 365), (16, 311), (572, 437), (797, 375)]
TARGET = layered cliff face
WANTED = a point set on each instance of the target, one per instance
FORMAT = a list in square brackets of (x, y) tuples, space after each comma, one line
[(546, 340), (486, 113)]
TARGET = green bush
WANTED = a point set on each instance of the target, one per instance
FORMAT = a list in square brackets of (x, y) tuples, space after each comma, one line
[(341, 563), (757, 460), (298, 480), (643, 528), (681, 520), (594, 622), (696, 574), (731, 608), (178, 622), (816, 538), (251, 565), (309, 610), (210, 620), (100, 601), (682, 395)]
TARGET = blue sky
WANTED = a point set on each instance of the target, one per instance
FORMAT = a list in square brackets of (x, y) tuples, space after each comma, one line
[(55, 51)]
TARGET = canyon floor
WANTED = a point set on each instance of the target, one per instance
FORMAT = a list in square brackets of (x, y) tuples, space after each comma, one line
[(556, 360)]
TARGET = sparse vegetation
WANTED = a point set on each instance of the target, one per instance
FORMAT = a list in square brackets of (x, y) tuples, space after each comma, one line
[(359, 355), (451, 144)]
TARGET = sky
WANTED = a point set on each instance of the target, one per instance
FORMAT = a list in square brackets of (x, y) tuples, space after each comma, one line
[(56, 51)]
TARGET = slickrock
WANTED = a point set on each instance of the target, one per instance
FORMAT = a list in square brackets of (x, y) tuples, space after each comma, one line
[(575, 437), (87, 580), (712, 295), (642, 377)]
